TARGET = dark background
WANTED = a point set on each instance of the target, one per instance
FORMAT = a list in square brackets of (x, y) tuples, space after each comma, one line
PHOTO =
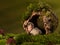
[(11, 13)]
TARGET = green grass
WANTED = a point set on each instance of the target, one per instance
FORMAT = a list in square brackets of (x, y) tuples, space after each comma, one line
[(24, 39), (3, 42), (43, 39)]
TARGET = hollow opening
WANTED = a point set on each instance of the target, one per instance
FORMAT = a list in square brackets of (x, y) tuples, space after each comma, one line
[(34, 21)]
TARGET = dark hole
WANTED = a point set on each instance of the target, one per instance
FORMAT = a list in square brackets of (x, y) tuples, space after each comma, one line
[(34, 21)]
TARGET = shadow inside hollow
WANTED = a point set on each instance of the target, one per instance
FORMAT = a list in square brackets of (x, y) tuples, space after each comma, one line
[(34, 21)]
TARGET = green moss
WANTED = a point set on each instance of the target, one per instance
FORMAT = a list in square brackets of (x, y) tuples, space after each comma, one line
[(45, 9)]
